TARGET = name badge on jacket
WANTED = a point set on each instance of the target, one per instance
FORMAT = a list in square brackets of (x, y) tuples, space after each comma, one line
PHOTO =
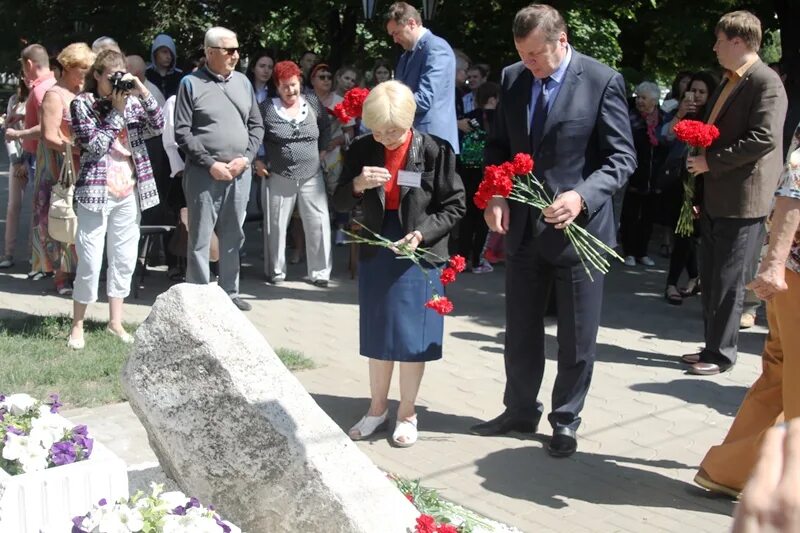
[(408, 178)]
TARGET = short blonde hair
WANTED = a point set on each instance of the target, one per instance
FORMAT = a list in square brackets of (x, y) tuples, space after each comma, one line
[(390, 103), (76, 55)]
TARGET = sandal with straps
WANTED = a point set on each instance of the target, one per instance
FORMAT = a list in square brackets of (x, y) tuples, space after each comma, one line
[(367, 426), (407, 431)]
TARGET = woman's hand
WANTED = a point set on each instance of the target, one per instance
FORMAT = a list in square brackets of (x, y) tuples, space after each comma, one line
[(407, 243), (118, 100), (139, 88), (370, 178), (686, 107), (20, 173)]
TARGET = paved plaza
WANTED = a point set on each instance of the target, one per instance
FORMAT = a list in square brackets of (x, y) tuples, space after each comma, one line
[(646, 424)]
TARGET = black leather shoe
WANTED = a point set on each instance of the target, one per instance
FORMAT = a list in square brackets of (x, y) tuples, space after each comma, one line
[(241, 304), (503, 424), (564, 442)]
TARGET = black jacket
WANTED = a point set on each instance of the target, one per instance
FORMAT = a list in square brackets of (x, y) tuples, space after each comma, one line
[(433, 209)]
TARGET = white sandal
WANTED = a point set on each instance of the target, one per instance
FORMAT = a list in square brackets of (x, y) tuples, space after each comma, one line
[(406, 430), (367, 426), (125, 337), (76, 344)]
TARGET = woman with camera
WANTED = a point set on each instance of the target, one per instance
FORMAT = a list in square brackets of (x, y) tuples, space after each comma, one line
[(115, 184), (50, 256)]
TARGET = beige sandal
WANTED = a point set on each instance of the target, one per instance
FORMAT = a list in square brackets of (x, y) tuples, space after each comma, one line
[(367, 426)]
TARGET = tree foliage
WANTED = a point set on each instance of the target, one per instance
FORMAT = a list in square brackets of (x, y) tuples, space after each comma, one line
[(646, 38)]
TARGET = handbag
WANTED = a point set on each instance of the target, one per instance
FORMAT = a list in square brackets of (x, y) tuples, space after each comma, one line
[(62, 222)]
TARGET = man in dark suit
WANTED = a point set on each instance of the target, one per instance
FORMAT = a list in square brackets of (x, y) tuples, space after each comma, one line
[(428, 68), (569, 112), (741, 170)]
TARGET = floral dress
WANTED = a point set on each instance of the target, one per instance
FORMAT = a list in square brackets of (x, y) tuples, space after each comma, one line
[(49, 256)]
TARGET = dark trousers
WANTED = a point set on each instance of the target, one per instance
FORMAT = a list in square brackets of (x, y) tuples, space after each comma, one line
[(684, 255), (529, 279), (636, 223), (472, 230), (726, 246)]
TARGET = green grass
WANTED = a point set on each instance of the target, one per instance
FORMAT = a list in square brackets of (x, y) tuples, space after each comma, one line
[(34, 358)]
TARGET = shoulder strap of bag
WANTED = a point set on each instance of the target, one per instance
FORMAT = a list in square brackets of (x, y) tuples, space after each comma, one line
[(67, 175)]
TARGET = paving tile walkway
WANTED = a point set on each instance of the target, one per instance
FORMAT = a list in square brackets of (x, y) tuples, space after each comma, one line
[(646, 423)]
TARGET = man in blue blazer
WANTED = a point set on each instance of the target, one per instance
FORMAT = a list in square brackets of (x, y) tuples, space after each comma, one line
[(569, 112), (428, 67)]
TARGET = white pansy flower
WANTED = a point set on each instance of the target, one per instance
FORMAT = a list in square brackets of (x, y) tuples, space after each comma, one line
[(191, 521), (34, 457), (172, 499), (17, 404), (121, 519), (14, 447)]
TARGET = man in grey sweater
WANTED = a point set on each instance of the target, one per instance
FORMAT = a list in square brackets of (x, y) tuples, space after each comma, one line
[(219, 128)]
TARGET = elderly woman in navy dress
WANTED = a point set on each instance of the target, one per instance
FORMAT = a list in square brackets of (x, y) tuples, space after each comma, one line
[(419, 209)]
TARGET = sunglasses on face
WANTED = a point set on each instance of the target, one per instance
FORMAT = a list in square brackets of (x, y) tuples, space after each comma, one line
[(228, 51), (324, 76)]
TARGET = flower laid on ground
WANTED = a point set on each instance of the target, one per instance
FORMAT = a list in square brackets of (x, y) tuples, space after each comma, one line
[(157, 512), (350, 108), (698, 135), (448, 274), (438, 515), (33, 437), (515, 180)]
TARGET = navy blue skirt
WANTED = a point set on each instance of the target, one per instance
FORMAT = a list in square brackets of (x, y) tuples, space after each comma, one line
[(394, 324)]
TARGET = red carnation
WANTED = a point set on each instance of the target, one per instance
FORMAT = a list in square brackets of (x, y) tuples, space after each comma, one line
[(696, 133), (507, 169), (426, 524), (440, 304), (523, 164), (458, 263), (483, 195), (446, 528), (340, 114), (354, 101), (448, 276)]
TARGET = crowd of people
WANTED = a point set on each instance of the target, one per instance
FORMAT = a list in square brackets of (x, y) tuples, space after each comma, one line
[(201, 149)]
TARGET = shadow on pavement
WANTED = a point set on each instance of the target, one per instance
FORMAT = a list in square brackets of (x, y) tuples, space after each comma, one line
[(530, 474), (347, 411), (725, 399)]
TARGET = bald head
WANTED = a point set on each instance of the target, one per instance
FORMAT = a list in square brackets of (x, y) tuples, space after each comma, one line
[(136, 66)]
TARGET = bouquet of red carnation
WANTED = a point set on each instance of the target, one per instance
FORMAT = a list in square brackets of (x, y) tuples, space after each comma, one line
[(515, 180), (351, 107), (698, 135), (447, 274)]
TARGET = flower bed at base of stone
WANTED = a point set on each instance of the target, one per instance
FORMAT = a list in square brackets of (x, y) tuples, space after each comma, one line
[(34, 438), (441, 516), (157, 512)]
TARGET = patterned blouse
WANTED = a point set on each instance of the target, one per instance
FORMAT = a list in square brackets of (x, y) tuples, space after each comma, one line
[(790, 188), (95, 131), (293, 145)]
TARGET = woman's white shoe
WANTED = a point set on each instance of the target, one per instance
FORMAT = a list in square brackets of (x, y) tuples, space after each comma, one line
[(125, 337), (76, 344), (367, 426), (405, 433)]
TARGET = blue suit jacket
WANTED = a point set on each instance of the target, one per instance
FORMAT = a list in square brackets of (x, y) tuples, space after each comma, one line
[(586, 146), (430, 71)]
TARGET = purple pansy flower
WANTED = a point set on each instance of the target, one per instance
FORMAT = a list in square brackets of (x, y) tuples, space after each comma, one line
[(102, 502), (63, 453), (193, 502), (55, 405), (15, 430), (76, 525), (179, 510)]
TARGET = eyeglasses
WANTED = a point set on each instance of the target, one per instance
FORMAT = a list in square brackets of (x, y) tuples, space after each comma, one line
[(228, 51), (324, 76)]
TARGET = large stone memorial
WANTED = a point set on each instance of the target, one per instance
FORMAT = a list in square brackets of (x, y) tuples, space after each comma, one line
[(233, 427)]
